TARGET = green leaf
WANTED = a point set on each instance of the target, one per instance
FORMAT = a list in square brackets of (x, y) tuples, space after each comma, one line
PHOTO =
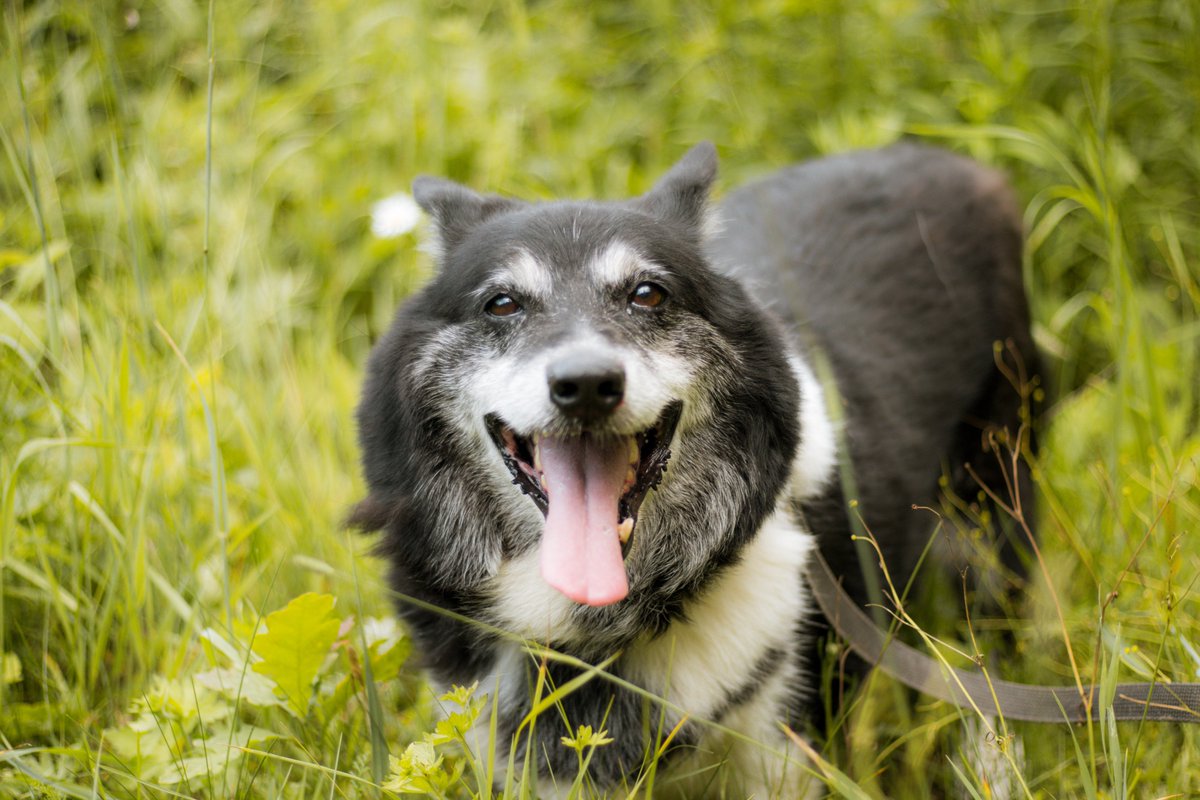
[(585, 737), (235, 684), (457, 724), (10, 668), (418, 771), (296, 641), (386, 663), (202, 769), (182, 701)]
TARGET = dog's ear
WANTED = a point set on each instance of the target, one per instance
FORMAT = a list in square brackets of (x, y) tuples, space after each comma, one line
[(682, 194), (455, 208)]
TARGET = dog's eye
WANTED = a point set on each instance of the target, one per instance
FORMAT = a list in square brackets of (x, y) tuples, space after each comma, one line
[(648, 295), (502, 305)]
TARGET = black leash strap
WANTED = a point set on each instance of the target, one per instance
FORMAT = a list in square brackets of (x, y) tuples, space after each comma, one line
[(1157, 702)]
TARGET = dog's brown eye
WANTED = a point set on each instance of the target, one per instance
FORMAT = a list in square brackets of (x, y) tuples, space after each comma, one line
[(648, 295), (502, 305)]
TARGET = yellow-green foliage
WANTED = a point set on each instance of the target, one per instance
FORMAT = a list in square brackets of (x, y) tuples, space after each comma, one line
[(189, 287)]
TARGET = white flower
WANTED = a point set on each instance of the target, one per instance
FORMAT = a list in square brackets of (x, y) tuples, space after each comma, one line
[(394, 216)]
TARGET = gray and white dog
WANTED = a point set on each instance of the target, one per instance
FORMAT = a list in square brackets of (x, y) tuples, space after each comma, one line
[(600, 427)]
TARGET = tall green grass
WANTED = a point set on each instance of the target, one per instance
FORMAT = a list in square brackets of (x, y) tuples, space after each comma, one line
[(188, 289)]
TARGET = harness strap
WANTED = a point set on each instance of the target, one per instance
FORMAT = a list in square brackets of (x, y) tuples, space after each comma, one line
[(1157, 702)]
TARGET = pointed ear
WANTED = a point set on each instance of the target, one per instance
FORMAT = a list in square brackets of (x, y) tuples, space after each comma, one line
[(455, 208), (682, 194)]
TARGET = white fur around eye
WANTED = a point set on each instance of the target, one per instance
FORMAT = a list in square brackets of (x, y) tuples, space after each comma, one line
[(616, 265), (523, 276)]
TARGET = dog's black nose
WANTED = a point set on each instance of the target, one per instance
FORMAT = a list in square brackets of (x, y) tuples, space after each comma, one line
[(586, 385)]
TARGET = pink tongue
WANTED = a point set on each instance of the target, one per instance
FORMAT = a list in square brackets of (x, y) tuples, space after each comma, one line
[(581, 550)]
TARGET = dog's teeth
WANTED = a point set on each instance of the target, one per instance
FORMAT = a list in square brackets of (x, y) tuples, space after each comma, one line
[(537, 454), (633, 450), (625, 529)]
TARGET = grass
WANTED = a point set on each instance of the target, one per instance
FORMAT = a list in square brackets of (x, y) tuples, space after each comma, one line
[(188, 289)]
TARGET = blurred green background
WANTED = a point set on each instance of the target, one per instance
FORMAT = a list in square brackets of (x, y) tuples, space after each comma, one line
[(189, 287)]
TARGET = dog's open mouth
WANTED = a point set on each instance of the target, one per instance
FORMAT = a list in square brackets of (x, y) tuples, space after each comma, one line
[(590, 488)]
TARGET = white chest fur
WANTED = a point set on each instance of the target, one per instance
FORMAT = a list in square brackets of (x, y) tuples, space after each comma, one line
[(733, 661), (753, 608)]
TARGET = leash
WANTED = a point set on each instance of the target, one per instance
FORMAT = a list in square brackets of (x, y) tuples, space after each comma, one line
[(1155, 702)]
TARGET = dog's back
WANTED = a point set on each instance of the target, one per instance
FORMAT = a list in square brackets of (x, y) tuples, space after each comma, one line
[(903, 267)]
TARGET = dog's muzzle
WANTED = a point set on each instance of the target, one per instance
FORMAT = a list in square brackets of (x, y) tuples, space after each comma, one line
[(589, 484)]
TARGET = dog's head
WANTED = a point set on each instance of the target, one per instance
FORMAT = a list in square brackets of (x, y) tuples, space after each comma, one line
[(576, 385)]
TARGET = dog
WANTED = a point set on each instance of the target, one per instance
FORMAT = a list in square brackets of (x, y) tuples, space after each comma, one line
[(621, 429)]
